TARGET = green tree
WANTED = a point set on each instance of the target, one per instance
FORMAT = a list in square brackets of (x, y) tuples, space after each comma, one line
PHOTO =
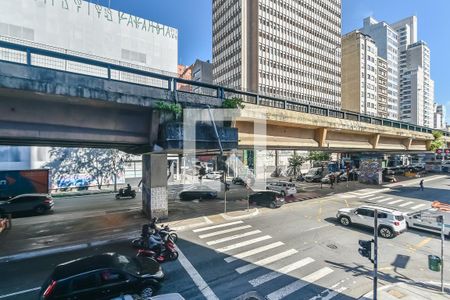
[(295, 163), (319, 156), (438, 142)]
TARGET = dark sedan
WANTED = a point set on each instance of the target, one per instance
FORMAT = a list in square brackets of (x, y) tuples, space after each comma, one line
[(270, 199), (103, 276), (37, 203), (199, 192)]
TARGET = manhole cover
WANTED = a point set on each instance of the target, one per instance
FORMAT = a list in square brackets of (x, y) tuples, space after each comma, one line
[(332, 246)]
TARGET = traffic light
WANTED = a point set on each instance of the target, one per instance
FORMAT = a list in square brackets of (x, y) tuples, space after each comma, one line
[(365, 249)]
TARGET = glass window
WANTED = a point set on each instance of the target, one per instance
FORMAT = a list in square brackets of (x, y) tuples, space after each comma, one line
[(83, 282)]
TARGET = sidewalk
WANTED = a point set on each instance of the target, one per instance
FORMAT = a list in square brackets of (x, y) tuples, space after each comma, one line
[(410, 291)]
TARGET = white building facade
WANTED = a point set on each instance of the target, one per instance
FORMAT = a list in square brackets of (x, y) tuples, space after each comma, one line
[(287, 49), (83, 29), (416, 85), (386, 39)]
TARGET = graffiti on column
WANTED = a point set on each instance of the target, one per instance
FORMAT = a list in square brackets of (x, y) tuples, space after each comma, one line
[(370, 171)]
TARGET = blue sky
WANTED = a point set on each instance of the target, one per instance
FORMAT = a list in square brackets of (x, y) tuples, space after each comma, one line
[(192, 18)]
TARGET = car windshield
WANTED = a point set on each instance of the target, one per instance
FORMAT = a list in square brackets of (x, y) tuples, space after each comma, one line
[(312, 171)]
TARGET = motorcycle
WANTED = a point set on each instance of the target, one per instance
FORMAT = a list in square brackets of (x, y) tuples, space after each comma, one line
[(125, 193), (167, 252), (162, 231)]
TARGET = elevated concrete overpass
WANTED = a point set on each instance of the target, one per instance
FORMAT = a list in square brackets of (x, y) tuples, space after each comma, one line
[(65, 107), (74, 100)]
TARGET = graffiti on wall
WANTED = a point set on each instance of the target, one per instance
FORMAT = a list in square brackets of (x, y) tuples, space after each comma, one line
[(370, 171)]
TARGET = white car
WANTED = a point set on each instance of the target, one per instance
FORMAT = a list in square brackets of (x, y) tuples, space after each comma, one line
[(427, 220), (213, 175), (284, 187), (390, 222)]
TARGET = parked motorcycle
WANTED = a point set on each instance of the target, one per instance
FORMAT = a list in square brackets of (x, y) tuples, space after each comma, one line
[(162, 253), (126, 193), (162, 231)]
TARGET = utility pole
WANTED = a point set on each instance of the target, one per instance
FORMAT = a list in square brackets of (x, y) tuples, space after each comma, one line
[(375, 253), (441, 219)]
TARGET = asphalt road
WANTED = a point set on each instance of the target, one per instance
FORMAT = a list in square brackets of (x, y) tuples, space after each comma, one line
[(294, 252)]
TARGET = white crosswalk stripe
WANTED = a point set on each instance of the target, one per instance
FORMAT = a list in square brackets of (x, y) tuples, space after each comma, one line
[(207, 235), (366, 196), (375, 198), (284, 270), (265, 261), (384, 200), (406, 204), (299, 284), (395, 201), (244, 243), (233, 237), (329, 293), (217, 226), (418, 206), (253, 252)]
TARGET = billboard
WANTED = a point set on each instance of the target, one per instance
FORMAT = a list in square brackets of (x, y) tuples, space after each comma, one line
[(13, 183)]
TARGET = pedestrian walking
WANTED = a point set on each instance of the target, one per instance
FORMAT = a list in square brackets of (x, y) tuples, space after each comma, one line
[(421, 185), (331, 180)]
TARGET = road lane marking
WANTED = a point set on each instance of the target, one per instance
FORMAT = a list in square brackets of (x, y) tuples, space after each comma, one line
[(20, 292), (203, 236), (329, 293), (395, 201), (266, 261), (375, 198), (420, 244), (233, 237), (196, 277), (384, 200), (418, 206), (217, 226), (253, 252), (366, 196), (244, 243), (283, 271), (299, 284), (406, 204), (319, 215), (346, 203)]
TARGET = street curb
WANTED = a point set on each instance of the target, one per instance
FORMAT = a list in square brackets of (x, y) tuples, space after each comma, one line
[(63, 195), (56, 250), (369, 295), (246, 216)]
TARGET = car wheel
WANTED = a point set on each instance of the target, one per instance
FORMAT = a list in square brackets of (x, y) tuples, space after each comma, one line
[(272, 205), (283, 193), (40, 209), (147, 293), (344, 220), (386, 232)]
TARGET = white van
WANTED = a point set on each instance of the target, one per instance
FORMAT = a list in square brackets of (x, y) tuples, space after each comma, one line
[(427, 220), (284, 187)]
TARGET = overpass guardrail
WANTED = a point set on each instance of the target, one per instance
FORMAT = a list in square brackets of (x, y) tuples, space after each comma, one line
[(43, 56)]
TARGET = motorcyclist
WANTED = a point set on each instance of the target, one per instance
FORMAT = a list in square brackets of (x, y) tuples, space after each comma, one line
[(128, 189), (155, 243)]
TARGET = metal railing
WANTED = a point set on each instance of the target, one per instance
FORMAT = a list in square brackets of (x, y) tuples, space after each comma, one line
[(32, 56)]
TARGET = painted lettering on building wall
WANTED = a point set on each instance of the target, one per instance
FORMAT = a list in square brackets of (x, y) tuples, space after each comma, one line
[(101, 12)]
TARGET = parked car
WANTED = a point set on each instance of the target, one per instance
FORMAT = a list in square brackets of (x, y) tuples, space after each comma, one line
[(238, 181), (198, 192), (390, 222), (171, 296), (314, 175), (283, 187), (38, 203), (427, 220), (271, 199), (337, 175), (103, 276), (389, 175)]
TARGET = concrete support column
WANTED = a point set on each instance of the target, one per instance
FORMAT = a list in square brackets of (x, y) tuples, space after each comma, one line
[(374, 139), (407, 143), (154, 186), (320, 136)]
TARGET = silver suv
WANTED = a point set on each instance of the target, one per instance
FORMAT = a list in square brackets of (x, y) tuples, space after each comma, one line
[(390, 222)]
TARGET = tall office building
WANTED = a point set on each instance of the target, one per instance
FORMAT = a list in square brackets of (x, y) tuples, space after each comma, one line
[(88, 30), (359, 73), (416, 85), (386, 39), (382, 92), (289, 49), (440, 115)]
